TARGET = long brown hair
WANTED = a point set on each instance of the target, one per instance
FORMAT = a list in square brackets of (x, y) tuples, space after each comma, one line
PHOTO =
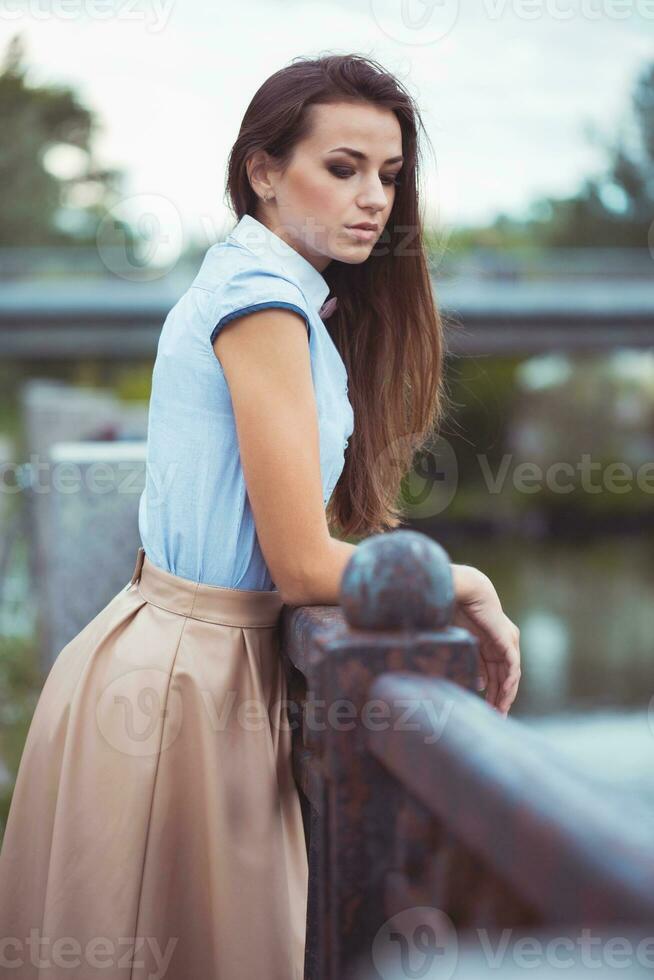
[(386, 327)]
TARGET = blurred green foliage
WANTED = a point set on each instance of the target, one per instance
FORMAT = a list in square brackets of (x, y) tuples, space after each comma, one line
[(512, 416), (614, 208), (20, 687), (41, 204)]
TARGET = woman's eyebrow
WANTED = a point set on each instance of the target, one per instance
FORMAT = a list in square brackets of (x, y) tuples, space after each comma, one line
[(362, 156)]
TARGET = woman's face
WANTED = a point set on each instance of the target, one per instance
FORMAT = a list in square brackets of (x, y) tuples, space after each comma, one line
[(326, 189)]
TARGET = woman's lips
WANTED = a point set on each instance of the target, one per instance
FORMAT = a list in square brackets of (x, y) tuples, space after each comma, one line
[(363, 234)]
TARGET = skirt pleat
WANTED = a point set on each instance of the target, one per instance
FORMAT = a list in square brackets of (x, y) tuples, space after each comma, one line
[(155, 828)]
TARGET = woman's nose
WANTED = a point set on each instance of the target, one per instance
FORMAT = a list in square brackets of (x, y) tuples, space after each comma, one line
[(374, 197)]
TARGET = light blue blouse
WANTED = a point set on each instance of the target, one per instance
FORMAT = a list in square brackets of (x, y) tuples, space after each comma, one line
[(194, 514)]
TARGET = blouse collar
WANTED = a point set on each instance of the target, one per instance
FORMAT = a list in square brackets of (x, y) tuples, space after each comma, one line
[(257, 237)]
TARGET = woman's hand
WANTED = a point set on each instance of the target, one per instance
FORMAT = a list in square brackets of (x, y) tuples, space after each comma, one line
[(478, 610)]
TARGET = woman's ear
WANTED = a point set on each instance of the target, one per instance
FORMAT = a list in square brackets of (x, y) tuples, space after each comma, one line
[(257, 168)]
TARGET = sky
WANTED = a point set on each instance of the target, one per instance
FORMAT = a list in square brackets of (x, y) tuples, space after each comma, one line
[(508, 89)]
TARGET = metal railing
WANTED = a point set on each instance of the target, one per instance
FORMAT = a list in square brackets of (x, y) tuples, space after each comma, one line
[(417, 793)]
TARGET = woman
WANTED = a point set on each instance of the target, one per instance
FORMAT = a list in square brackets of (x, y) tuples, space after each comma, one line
[(150, 807)]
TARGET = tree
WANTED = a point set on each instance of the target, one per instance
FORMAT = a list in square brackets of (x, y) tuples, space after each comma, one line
[(39, 206), (614, 208)]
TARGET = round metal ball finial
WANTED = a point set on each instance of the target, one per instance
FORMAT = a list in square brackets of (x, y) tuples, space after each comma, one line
[(398, 580)]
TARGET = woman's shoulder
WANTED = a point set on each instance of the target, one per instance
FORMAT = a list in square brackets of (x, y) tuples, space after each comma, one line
[(230, 269), (241, 281)]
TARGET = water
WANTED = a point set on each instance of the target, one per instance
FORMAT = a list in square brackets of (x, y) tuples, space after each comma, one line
[(614, 748), (586, 615)]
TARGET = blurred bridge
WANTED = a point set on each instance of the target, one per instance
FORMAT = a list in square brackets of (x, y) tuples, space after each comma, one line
[(492, 303)]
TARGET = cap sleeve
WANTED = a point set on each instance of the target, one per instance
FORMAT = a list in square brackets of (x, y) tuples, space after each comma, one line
[(247, 291)]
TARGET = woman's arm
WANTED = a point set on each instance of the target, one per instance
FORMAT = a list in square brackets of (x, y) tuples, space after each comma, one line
[(266, 361)]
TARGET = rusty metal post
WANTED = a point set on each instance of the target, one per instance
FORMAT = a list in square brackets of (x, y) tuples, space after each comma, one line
[(397, 601)]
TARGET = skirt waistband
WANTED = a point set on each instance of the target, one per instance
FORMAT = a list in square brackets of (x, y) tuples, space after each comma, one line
[(211, 603)]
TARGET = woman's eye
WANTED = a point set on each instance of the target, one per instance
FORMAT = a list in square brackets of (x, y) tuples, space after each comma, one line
[(341, 171), (344, 172)]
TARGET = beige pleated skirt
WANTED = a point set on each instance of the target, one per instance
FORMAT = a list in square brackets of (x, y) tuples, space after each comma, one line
[(155, 828)]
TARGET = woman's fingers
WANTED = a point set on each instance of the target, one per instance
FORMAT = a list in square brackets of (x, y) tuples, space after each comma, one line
[(493, 682), (513, 673), (461, 618), (510, 686), (482, 675), (512, 661), (499, 668), (508, 697), (501, 662)]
